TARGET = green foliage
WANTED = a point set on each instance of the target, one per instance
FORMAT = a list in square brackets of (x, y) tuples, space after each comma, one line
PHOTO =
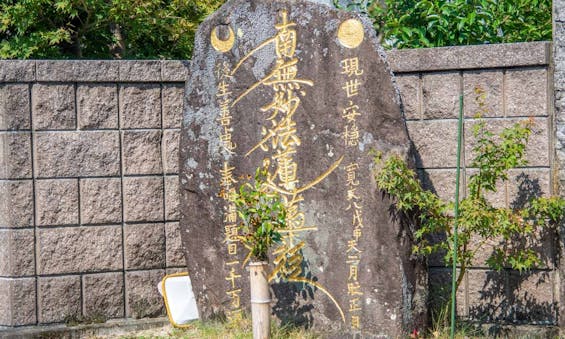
[(263, 214), (100, 29), (425, 23), (478, 220)]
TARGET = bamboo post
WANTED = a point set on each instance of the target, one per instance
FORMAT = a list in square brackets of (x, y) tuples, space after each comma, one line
[(260, 300)]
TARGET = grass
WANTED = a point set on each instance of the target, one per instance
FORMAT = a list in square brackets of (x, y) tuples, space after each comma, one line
[(241, 329)]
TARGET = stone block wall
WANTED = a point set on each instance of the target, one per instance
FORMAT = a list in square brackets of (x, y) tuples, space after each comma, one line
[(559, 99), (517, 82), (88, 188), (89, 192)]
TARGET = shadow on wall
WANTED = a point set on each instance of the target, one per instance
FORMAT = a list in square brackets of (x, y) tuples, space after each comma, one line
[(507, 296)]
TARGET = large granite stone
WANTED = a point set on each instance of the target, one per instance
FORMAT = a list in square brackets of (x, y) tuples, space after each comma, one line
[(305, 90)]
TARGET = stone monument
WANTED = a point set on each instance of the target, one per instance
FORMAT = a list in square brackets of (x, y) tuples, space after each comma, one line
[(304, 90)]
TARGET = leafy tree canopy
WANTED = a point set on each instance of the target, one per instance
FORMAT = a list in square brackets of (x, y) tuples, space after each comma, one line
[(424, 23), (100, 29), (149, 29)]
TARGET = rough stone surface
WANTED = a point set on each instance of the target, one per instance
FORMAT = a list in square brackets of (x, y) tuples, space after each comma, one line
[(15, 157), (14, 107), (72, 154), (512, 297), (143, 199), (142, 297), (100, 200), (16, 204), (140, 106), (435, 143), (17, 70), (140, 70), (77, 70), (482, 92), (409, 86), (526, 92), (17, 253), (144, 246), (172, 198), (79, 249), (175, 251), (171, 140), (5, 295), (97, 106), (524, 184), (17, 297), (470, 57), (441, 182), (141, 152), (532, 297), (172, 106), (537, 149), (103, 295), (57, 202), (558, 13), (175, 270), (58, 298), (441, 95), (53, 107), (487, 296), (310, 128), (558, 77), (174, 70)]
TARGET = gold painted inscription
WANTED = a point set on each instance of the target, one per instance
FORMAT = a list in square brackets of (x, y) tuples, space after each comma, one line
[(351, 69)]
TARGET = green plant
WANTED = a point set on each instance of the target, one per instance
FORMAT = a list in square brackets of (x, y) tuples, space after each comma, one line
[(479, 221), (425, 23), (262, 213), (100, 29)]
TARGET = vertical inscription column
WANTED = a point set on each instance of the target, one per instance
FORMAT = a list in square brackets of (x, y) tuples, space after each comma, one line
[(350, 35), (227, 189)]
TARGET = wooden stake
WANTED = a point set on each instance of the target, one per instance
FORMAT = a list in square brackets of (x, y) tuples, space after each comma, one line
[(260, 300)]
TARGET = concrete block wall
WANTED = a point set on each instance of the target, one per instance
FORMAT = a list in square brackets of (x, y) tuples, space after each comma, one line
[(88, 177), (559, 100), (517, 81), (88, 188)]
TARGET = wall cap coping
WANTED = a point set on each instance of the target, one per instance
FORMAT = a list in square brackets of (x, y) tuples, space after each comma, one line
[(521, 54), (470, 57), (93, 70)]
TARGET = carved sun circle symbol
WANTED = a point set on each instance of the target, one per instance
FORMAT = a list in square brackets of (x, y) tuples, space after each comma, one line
[(350, 33)]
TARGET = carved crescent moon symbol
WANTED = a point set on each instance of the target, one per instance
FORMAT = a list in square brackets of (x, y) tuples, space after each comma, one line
[(222, 45)]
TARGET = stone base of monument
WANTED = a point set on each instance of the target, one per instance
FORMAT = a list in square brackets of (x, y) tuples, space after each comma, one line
[(260, 299)]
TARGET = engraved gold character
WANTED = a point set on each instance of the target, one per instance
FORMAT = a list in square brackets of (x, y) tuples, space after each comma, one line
[(354, 288), (351, 87), (234, 295), (351, 174), (351, 135), (232, 277), (352, 246), (358, 218), (353, 272), (232, 248), (354, 304), (350, 67), (355, 321), (357, 233), (350, 113)]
